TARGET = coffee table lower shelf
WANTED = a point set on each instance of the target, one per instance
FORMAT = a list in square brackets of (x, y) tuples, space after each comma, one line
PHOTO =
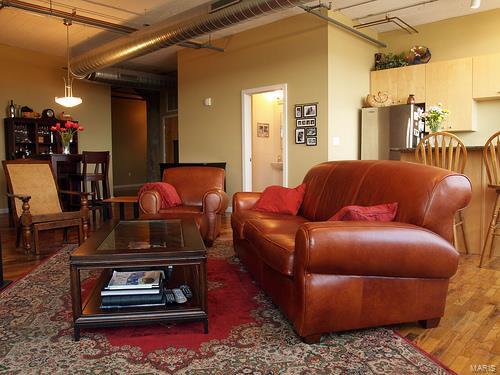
[(94, 317)]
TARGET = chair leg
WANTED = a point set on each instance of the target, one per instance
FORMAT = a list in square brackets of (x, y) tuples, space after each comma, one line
[(80, 234), (455, 234), (18, 236), (37, 241), (462, 226), (491, 229), (65, 235), (27, 237)]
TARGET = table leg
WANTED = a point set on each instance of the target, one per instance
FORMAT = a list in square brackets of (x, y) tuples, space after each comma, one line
[(203, 291), (76, 298), (122, 211), (136, 210), (205, 326)]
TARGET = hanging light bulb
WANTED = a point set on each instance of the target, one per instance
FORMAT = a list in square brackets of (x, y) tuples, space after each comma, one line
[(475, 4), (68, 100)]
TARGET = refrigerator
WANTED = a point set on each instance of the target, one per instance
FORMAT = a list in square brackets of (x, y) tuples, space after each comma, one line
[(384, 130)]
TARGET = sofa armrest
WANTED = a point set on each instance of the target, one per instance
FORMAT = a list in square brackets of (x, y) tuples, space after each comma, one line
[(244, 200), (215, 201), (150, 202), (373, 249)]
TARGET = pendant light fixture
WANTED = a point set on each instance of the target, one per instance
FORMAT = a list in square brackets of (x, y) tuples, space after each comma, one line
[(475, 4), (68, 100)]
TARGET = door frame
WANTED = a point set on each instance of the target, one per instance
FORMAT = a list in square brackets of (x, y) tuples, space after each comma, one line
[(246, 132)]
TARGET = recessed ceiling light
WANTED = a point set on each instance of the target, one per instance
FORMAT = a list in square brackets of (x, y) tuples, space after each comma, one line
[(475, 4)]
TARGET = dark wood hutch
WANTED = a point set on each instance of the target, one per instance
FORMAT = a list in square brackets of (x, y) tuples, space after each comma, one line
[(32, 137)]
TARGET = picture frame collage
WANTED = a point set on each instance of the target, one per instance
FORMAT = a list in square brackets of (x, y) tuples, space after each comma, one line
[(306, 131)]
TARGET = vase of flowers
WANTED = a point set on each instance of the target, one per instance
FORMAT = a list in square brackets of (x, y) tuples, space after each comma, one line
[(434, 116), (67, 130)]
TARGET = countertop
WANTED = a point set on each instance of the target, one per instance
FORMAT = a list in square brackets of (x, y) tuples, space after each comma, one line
[(469, 148)]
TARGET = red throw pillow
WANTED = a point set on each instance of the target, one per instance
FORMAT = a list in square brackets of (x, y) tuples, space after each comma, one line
[(168, 194), (281, 200), (381, 212)]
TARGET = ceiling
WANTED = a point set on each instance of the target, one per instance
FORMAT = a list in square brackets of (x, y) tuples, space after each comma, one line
[(47, 34)]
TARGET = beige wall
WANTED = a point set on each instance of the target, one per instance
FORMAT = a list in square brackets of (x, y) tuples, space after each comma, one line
[(129, 141), (291, 51), (473, 35), (265, 150), (34, 79), (350, 60)]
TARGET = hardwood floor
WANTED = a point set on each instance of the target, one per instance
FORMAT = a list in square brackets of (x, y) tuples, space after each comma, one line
[(469, 333)]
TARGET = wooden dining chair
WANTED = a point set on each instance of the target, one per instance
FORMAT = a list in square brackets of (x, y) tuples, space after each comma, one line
[(491, 159), (447, 151), (95, 171), (35, 201)]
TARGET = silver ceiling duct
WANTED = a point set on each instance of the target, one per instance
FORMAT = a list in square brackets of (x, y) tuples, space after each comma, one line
[(166, 34), (132, 78)]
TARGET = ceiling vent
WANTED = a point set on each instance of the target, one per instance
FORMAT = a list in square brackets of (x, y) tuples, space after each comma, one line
[(221, 4)]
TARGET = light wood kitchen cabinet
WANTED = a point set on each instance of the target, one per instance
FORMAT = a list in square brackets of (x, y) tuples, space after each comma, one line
[(486, 77), (400, 82), (450, 83), (411, 80), (384, 81)]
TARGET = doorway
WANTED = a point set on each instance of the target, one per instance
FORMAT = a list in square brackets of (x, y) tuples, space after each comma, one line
[(264, 140)]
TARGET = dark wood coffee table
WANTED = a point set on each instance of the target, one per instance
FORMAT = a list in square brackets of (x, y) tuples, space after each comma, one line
[(115, 246)]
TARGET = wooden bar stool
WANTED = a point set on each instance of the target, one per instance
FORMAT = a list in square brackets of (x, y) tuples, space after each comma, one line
[(447, 151), (491, 158)]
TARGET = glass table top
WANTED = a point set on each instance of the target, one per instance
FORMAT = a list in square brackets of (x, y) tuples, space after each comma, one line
[(144, 235)]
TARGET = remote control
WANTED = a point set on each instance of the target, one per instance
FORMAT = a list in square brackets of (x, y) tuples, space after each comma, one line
[(187, 292), (169, 295), (179, 296)]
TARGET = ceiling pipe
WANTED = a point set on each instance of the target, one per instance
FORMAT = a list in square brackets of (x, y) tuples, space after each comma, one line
[(395, 9), (75, 18), (166, 34), (132, 78)]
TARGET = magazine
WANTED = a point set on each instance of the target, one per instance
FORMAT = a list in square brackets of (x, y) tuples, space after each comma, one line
[(135, 280)]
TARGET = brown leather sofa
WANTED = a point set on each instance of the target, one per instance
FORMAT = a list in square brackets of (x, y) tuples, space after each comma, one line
[(335, 276), (202, 195)]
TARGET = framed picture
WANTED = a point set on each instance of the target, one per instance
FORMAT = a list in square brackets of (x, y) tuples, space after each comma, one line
[(311, 141), (262, 130), (310, 110), (311, 132), (298, 111), (300, 136)]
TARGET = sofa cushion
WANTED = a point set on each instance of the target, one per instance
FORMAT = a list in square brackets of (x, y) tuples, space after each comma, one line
[(380, 212), (281, 200), (274, 241), (239, 219)]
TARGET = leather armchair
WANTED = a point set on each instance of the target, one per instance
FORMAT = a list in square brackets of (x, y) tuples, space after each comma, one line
[(202, 195)]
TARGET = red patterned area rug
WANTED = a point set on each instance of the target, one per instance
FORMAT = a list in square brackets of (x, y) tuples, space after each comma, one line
[(248, 334)]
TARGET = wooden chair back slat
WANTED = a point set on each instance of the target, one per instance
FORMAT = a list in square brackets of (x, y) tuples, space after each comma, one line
[(443, 150), (491, 157)]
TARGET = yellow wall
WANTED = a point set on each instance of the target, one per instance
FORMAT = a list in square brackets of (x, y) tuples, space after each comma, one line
[(350, 60), (473, 35), (266, 109), (34, 79), (129, 141), (292, 51)]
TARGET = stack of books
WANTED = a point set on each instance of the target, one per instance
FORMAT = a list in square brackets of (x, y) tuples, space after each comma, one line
[(134, 289)]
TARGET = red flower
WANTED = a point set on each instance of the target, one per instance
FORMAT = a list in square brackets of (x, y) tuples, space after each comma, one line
[(63, 130), (81, 128), (53, 128), (58, 126)]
